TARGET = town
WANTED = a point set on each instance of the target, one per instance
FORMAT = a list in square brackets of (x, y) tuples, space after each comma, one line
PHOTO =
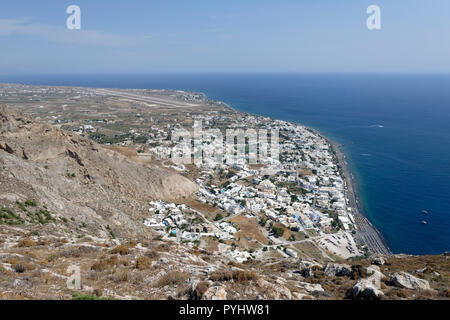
[(301, 192)]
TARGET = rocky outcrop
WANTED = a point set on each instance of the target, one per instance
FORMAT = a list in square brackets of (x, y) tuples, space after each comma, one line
[(6, 147), (274, 290), (75, 156), (315, 289), (307, 268), (408, 281), (338, 270)]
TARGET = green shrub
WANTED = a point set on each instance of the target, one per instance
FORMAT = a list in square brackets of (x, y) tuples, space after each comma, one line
[(79, 296), (278, 232), (30, 203)]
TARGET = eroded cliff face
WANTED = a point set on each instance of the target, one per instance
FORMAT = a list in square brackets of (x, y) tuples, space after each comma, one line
[(73, 177)]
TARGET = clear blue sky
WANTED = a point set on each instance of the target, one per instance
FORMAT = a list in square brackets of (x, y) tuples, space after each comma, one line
[(224, 36)]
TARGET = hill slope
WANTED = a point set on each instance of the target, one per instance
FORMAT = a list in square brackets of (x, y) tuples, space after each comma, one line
[(74, 178)]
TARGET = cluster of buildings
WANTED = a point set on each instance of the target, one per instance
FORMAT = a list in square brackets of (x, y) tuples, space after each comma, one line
[(301, 187), (179, 222)]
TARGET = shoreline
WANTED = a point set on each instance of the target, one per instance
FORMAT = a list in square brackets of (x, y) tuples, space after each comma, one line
[(366, 232)]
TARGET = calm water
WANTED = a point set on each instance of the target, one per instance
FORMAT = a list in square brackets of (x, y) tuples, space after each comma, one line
[(395, 130)]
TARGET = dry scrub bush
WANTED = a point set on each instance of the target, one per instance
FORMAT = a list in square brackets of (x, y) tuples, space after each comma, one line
[(53, 257), (105, 264), (121, 275), (19, 268), (358, 272), (172, 278), (137, 278), (123, 249), (143, 262), (221, 276), (201, 288), (25, 243), (241, 277), (182, 291), (152, 254)]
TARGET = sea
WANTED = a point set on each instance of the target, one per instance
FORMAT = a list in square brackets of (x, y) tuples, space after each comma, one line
[(393, 128)]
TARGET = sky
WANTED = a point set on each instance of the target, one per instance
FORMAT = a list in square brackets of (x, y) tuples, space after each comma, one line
[(143, 36)]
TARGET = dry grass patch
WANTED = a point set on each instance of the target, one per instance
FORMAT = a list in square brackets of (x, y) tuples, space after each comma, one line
[(309, 251), (207, 210), (19, 266), (249, 228)]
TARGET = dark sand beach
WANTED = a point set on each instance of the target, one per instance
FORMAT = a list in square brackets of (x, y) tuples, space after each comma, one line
[(366, 231)]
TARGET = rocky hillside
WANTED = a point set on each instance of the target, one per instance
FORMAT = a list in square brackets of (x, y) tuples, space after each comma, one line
[(61, 176), (35, 266)]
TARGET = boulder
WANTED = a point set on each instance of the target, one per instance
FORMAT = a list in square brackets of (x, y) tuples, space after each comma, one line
[(408, 281), (374, 273), (215, 293), (369, 288), (338, 270), (379, 261), (21, 283), (366, 289), (421, 270), (313, 289)]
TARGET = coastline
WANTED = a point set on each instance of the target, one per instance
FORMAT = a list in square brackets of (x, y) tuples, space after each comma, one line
[(366, 232)]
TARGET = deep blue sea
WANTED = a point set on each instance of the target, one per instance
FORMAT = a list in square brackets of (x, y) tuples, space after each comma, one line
[(395, 130)]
